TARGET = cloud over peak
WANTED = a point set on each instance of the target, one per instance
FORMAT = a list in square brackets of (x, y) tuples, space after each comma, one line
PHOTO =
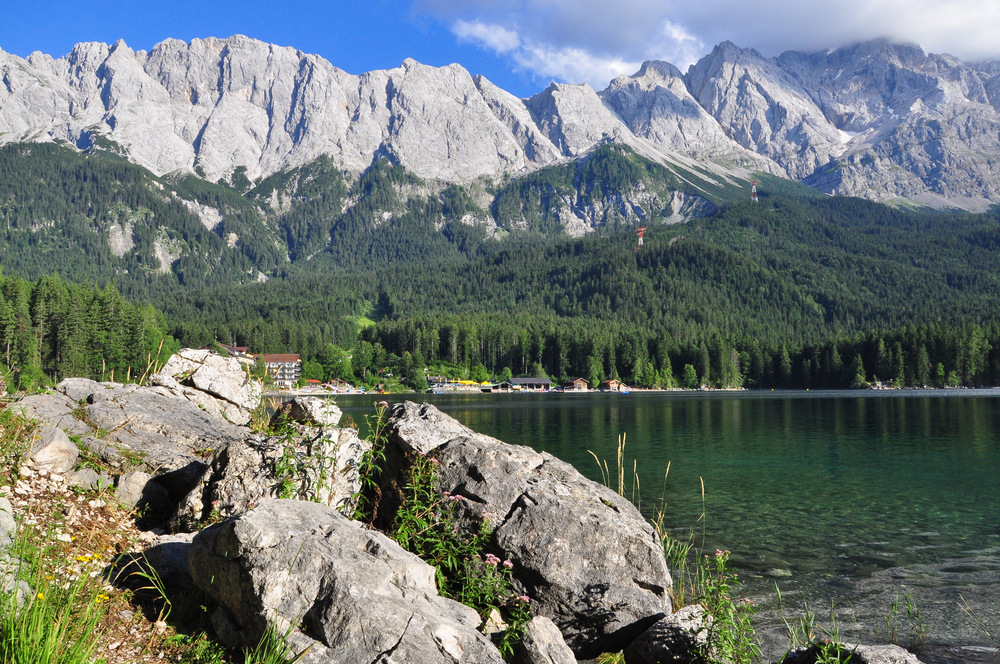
[(595, 40)]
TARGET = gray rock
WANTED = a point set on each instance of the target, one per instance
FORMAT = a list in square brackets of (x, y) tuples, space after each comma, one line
[(584, 555), (54, 409), (8, 526), (205, 378), (130, 486), (320, 465), (79, 389), (542, 644), (312, 411), (52, 450), (860, 654), (656, 104), (161, 434), (85, 478), (168, 556), (140, 488), (356, 594), (676, 639)]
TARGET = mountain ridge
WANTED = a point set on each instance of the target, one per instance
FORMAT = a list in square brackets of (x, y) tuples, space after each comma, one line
[(879, 120)]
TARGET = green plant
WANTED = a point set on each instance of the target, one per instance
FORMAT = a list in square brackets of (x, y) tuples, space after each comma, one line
[(152, 586), (805, 632), (286, 471), (426, 524), (729, 631), (919, 634), (15, 441), (57, 621), (367, 498), (890, 621), (272, 648), (195, 649)]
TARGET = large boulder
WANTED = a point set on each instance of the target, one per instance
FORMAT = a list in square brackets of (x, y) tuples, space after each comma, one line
[(357, 596), (584, 555), (320, 465), (221, 385), (169, 438)]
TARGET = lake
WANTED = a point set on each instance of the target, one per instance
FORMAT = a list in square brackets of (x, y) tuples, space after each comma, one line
[(847, 501)]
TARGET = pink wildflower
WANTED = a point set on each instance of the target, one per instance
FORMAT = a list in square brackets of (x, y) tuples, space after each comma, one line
[(383, 404), (492, 560), (524, 598), (508, 564)]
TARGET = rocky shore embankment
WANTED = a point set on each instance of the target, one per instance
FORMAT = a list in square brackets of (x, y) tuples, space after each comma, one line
[(259, 518)]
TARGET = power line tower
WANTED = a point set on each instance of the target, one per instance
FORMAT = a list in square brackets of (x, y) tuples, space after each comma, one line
[(753, 191), (640, 232)]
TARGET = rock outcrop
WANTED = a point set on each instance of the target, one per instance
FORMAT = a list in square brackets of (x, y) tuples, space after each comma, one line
[(356, 594), (586, 557), (316, 464), (221, 385)]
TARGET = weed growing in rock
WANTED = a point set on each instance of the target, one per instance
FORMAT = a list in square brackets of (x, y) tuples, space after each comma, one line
[(731, 637), (369, 466), (426, 524), (286, 471)]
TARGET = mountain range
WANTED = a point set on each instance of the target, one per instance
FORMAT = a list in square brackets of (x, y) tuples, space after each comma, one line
[(878, 120)]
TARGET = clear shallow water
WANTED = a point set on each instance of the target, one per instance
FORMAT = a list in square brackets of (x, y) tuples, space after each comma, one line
[(844, 500)]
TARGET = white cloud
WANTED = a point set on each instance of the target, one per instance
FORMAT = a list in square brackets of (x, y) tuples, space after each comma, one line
[(595, 40), (494, 37), (571, 64)]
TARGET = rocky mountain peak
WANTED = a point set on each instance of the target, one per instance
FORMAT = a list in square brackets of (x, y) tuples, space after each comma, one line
[(874, 112)]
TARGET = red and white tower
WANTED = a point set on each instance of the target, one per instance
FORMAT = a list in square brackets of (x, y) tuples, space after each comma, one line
[(753, 191), (640, 232)]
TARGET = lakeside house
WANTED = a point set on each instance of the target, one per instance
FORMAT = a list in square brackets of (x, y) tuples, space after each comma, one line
[(283, 368), (610, 385), (577, 385), (531, 384)]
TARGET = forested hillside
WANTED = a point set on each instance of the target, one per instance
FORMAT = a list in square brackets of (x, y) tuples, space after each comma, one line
[(386, 272), (51, 329)]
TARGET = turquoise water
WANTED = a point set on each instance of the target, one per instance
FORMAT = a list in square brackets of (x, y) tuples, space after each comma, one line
[(844, 500)]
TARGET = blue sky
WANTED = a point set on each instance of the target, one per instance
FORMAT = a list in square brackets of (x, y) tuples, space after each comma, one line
[(521, 45)]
